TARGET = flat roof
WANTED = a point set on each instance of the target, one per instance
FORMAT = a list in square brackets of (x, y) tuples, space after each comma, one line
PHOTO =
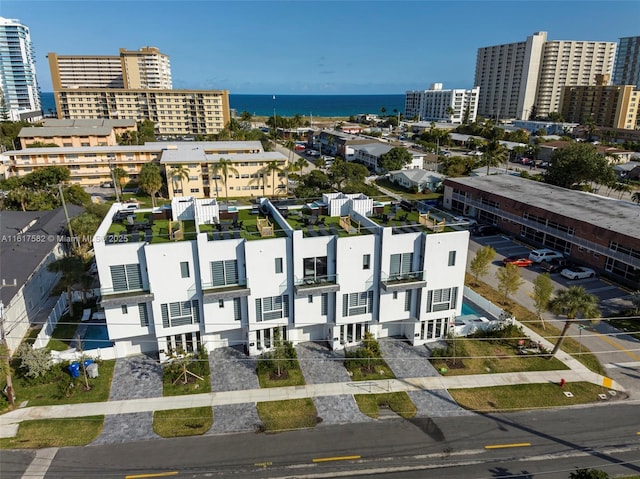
[(51, 131), (122, 123), (197, 155), (618, 216)]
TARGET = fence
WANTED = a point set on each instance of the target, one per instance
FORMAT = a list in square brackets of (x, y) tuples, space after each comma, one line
[(57, 312), (485, 304)]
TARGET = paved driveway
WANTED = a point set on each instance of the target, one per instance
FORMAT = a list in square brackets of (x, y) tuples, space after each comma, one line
[(134, 377), (320, 365)]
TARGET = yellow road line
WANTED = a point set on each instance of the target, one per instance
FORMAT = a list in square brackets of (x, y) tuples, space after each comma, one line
[(337, 458), (158, 474), (500, 446), (617, 346)]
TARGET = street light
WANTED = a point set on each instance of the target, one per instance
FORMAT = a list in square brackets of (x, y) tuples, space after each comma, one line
[(580, 328)]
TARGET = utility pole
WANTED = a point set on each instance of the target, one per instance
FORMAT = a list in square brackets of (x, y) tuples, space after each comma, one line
[(115, 186), (66, 213)]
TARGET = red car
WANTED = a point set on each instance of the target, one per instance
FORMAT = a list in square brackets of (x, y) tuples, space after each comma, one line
[(518, 261)]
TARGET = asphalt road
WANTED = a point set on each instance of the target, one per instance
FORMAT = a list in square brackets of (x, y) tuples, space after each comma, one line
[(543, 443)]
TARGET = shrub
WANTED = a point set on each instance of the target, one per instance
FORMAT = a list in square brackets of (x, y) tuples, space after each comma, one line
[(34, 364)]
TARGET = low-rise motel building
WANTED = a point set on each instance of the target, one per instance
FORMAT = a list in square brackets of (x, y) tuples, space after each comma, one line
[(192, 167), (198, 273)]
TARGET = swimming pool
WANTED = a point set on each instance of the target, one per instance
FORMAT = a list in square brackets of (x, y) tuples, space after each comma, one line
[(96, 337), (466, 309)]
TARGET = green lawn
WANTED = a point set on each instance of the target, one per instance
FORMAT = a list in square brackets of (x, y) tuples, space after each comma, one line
[(380, 371), (385, 183), (526, 396), (183, 422), (57, 390), (398, 402), (293, 377), (55, 433), (179, 383), (629, 325), (287, 415)]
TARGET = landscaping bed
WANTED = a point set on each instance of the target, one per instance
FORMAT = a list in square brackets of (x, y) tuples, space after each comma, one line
[(365, 363), (187, 375)]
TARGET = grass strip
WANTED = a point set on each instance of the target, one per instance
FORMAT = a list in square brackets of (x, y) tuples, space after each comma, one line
[(55, 433), (293, 377), (526, 396), (183, 422), (289, 414), (398, 402)]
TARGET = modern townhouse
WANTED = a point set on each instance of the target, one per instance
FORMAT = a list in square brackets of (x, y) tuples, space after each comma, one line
[(198, 274), (597, 231)]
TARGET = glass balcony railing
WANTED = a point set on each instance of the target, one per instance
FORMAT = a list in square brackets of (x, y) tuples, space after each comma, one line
[(406, 280), (317, 283)]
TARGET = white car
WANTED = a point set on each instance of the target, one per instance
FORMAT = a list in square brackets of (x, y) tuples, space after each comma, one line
[(467, 221), (578, 272)]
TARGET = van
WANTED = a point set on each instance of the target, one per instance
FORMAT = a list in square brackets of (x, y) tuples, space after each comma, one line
[(540, 255)]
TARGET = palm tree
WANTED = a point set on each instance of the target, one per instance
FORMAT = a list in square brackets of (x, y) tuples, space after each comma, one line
[(636, 197), (150, 180), (383, 110), (573, 302), (225, 167), (450, 112), (119, 174), (493, 153), (179, 173), (273, 167), (300, 164)]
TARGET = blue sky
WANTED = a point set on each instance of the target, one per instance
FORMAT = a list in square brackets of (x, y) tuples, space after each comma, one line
[(312, 47)]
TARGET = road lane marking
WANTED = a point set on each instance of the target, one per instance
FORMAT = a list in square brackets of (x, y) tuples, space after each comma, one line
[(157, 474), (336, 458), (40, 464), (616, 345), (501, 446)]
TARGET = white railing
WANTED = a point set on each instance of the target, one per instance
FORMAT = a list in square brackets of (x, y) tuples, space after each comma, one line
[(483, 303)]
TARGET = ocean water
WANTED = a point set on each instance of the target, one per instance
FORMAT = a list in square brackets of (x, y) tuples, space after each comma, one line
[(304, 105)]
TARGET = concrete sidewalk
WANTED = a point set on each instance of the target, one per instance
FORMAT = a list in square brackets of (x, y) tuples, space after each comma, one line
[(9, 422)]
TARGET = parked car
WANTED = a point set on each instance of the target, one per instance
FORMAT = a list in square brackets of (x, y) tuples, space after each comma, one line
[(465, 220), (517, 261), (106, 185), (540, 255), (555, 265), (484, 230), (578, 272)]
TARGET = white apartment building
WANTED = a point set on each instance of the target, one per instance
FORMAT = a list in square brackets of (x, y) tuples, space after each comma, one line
[(436, 104), (19, 94), (515, 77), (210, 276)]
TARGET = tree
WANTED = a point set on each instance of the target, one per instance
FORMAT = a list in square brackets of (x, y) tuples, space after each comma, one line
[(588, 474), (76, 195), (84, 226), (179, 173), (300, 163), (6, 372), (34, 363), (493, 153), (509, 281), (272, 168), (226, 167), (395, 159), (150, 180), (72, 269), (572, 303), (577, 164), (541, 295), (383, 111), (480, 263), (119, 175), (343, 172)]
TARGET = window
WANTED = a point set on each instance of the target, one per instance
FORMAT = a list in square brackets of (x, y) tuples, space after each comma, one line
[(180, 313), (310, 298), (366, 261), (407, 300), (124, 309), (354, 304), (224, 273), (184, 269), (400, 265), (452, 258), (395, 295), (441, 299), (324, 304), (237, 309), (315, 268), (278, 265), (126, 277), (273, 307), (221, 303), (143, 313)]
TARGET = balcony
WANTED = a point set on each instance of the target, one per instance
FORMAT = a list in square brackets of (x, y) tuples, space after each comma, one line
[(111, 298), (316, 284), (212, 293), (402, 281)]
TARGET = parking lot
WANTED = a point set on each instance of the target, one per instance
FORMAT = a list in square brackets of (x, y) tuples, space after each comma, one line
[(611, 297)]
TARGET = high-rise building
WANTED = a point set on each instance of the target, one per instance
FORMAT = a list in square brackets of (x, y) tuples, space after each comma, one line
[(610, 106), (19, 94), (627, 69), (145, 68), (518, 78), (436, 104), (134, 85)]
